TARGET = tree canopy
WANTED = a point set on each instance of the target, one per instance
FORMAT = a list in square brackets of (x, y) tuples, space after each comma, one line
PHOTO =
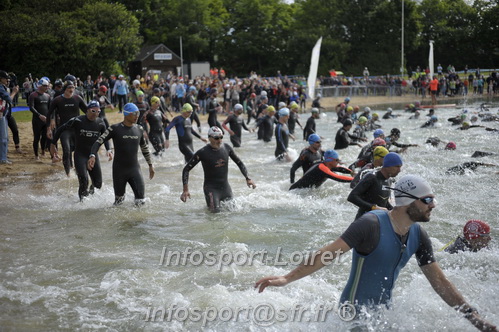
[(88, 36)]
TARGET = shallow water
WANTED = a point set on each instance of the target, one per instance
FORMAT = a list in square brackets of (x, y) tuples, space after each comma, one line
[(91, 266)]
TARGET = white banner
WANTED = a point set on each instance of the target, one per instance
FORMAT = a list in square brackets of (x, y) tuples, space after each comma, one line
[(430, 60), (314, 64)]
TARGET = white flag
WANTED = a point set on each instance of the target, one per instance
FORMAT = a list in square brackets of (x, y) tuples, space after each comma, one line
[(314, 64)]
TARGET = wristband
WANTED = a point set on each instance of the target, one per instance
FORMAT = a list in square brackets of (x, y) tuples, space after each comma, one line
[(92, 155)]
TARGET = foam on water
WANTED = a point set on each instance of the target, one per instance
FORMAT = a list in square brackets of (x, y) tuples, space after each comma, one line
[(92, 266)]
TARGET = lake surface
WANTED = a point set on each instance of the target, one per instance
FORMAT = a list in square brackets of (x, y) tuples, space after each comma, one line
[(73, 266)]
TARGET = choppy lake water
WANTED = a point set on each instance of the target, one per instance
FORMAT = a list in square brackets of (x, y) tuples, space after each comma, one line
[(73, 266)]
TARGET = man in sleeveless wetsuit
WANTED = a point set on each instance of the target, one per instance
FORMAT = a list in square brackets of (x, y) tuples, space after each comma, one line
[(383, 243), (64, 108), (127, 137), (372, 192), (38, 102), (183, 125), (320, 172), (308, 156), (87, 128), (215, 160)]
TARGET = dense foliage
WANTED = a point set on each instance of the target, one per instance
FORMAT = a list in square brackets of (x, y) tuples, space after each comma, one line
[(87, 36)]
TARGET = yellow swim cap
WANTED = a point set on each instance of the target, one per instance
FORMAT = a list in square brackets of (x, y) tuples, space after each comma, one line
[(186, 108)]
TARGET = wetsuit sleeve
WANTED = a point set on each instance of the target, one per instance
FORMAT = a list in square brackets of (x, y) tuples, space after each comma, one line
[(145, 148), (31, 104), (195, 133), (238, 161), (297, 164), (343, 170), (362, 187), (169, 127), (108, 134), (334, 176), (244, 126), (187, 168), (424, 254), (363, 234), (279, 137), (62, 128)]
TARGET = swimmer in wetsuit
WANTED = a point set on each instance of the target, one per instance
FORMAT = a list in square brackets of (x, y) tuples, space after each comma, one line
[(104, 102), (282, 136), (308, 156), (213, 108), (379, 154), (236, 123), (372, 192), (64, 108), (320, 172), (310, 125), (461, 169), (155, 118), (215, 160), (87, 130), (38, 102), (127, 136), (476, 236), (183, 125)]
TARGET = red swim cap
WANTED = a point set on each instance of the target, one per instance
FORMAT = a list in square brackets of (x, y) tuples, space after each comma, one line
[(475, 228), (379, 142), (451, 146)]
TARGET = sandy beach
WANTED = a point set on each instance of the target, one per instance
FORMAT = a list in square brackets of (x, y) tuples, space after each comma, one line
[(25, 169)]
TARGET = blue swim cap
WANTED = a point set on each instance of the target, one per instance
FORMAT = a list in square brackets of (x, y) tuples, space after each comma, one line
[(433, 118), (46, 78), (392, 159), (347, 99), (331, 155), (93, 104), (129, 109), (284, 112), (313, 138), (378, 132)]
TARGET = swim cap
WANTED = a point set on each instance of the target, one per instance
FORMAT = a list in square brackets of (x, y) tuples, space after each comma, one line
[(417, 103), (238, 107), (473, 229), (378, 132), (93, 104), (395, 131), (411, 105), (434, 118), (215, 132), (186, 108), (347, 122), (43, 82), (284, 112), (392, 159), (155, 100), (375, 115), (389, 109), (281, 105), (129, 109), (263, 93), (356, 108), (294, 105), (379, 152), (362, 119), (70, 77), (331, 155), (103, 88), (315, 110), (413, 185), (46, 78), (136, 82), (451, 146), (58, 83), (378, 142), (342, 105), (349, 109), (367, 109), (68, 84), (313, 138), (347, 99), (139, 93), (463, 116), (271, 109), (474, 118), (253, 95), (466, 124)]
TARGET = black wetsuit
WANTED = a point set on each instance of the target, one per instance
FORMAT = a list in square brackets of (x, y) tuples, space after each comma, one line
[(191, 100), (266, 124), (344, 139), (319, 173), (184, 133), (126, 168), (86, 133), (306, 159), (103, 102), (366, 169), (282, 140), (309, 128), (216, 168), (212, 113), (292, 121), (460, 244), (461, 169), (156, 136), (369, 192), (39, 105), (236, 123), (143, 108), (66, 109)]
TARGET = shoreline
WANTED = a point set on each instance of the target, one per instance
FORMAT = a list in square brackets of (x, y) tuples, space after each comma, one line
[(26, 170)]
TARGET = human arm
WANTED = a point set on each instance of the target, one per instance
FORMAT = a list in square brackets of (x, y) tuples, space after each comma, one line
[(360, 189), (31, 104), (337, 177), (321, 258), (449, 293), (185, 176), (224, 125), (241, 166), (108, 134), (144, 147), (297, 164)]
